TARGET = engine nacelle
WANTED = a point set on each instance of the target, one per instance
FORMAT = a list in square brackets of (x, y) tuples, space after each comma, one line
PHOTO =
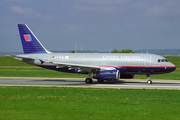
[(107, 75), (127, 76)]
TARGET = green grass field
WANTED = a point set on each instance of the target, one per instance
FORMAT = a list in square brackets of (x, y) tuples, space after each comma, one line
[(37, 72), (8, 69), (50, 103), (9, 61), (44, 103)]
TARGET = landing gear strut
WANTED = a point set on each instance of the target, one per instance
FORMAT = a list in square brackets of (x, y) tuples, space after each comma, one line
[(149, 79), (89, 79)]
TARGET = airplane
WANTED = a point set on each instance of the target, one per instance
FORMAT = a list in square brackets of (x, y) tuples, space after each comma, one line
[(100, 66)]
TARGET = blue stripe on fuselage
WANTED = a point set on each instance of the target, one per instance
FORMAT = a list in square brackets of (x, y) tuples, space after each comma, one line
[(122, 69), (151, 69)]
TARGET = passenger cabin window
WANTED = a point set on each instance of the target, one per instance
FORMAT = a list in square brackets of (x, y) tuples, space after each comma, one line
[(162, 60)]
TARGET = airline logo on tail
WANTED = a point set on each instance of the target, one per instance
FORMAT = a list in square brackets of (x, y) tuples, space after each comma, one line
[(27, 38)]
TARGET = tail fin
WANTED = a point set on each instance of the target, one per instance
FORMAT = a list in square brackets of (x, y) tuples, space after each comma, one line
[(30, 43)]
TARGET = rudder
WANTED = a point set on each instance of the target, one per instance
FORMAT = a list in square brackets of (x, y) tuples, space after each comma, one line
[(30, 43)]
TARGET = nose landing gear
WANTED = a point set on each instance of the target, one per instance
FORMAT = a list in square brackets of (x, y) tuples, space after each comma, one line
[(149, 79)]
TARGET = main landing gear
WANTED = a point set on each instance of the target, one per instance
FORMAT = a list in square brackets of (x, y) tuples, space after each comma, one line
[(149, 79), (88, 80)]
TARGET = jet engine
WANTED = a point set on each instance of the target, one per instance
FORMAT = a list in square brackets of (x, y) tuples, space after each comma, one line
[(107, 75)]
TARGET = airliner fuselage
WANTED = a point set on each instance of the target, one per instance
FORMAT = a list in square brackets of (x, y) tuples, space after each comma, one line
[(127, 64), (100, 66)]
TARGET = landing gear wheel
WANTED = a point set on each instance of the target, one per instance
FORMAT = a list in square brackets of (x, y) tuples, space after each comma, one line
[(88, 80), (149, 79), (99, 80), (149, 82)]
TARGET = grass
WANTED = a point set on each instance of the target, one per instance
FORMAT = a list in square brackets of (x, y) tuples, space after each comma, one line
[(84, 103), (88, 103), (9, 61), (37, 72)]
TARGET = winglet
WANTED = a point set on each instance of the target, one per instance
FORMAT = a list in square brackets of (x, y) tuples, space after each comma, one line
[(30, 43)]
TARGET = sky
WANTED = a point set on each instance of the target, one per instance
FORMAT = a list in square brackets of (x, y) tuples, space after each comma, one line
[(101, 25)]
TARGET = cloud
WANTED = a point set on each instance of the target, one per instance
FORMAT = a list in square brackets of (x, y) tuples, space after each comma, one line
[(156, 10), (29, 12), (21, 10)]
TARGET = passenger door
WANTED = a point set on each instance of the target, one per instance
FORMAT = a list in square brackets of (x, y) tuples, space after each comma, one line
[(147, 61)]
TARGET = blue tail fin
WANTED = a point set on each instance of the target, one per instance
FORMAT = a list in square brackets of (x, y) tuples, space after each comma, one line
[(30, 43)]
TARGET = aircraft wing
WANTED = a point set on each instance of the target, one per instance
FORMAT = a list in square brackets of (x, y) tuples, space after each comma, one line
[(81, 67), (22, 57)]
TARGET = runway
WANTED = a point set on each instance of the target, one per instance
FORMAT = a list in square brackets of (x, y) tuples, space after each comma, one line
[(78, 82)]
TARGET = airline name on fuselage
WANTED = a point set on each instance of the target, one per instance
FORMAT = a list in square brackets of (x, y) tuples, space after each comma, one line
[(105, 57), (121, 57)]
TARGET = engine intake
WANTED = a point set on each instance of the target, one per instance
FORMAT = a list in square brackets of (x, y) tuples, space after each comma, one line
[(107, 75)]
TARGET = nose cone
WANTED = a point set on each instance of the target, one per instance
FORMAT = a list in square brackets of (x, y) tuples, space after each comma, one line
[(171, 67)]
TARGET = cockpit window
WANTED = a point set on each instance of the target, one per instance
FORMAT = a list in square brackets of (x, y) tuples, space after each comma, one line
[(162, 60), (166, 60)]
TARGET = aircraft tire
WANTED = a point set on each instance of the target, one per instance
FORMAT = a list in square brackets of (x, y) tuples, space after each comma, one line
[(88, 80), (149, 82)]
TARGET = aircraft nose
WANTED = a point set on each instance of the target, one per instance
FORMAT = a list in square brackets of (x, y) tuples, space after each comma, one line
[(172, 67)]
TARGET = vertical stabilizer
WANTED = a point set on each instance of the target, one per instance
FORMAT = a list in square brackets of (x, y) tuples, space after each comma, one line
[(30, 43)]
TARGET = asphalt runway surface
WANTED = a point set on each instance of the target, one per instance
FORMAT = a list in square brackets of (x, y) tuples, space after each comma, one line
[(79, 82)]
